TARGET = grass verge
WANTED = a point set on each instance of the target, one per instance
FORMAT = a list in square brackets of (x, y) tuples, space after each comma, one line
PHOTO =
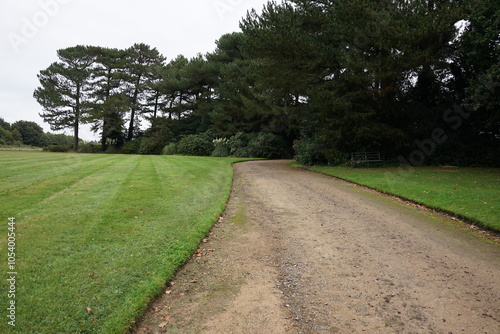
[(98, 236), (469, 193)]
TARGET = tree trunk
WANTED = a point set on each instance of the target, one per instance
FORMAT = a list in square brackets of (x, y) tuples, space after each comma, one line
[(76, 130), (130, 135), (156, 105), (77, 118), (132, 114)]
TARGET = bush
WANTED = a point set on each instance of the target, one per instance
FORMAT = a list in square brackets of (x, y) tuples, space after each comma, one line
[(198, 145), (112, 149), (132, 147), (151, 145), (238, 145), (89, 148), (170, 149), (156, 137), (57, 148), (221, 148), (308, 152), (6, 137), (267, 146)]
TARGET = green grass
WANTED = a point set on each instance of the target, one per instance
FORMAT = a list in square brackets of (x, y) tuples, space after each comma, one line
[(470, 193), (98, 236)]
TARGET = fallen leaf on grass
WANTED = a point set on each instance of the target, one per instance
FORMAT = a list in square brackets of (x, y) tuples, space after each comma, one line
[(89, 310), (163, 324)]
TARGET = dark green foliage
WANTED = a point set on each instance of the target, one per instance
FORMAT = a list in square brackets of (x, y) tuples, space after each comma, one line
[(238, 144), (140, 61), (59, 139), (110, 103), (65, 90), (266, 145), (57, 148), (89, 148), (197, 145), (309, 152), (31, 133), (170, 149), (132, 147), (333, 76), (3, 124), (221, 148), (156, 137), (6, 137)]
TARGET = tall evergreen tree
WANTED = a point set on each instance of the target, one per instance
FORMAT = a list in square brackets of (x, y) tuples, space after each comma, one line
[(110, 104), (235, 108), (65, 91), (140, 60), (350, 63), (478, 54)]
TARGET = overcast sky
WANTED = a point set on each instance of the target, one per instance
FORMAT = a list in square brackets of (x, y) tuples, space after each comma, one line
[(32, 31)]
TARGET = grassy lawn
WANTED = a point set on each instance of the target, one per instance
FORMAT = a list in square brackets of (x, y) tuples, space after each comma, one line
[(471, 193), (97, 236)]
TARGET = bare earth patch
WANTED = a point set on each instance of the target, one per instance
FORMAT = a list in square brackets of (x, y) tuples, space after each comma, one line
[(300, 252)]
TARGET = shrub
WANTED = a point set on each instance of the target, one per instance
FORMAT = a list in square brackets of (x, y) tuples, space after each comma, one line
[(238, 144), (221, 148), (156, 137), (266, 145), (132, 147), (6, 137), (151, 145), (57, 148), (89, 148), (308, 152), (198, 145), (170, 149), (112, 149)]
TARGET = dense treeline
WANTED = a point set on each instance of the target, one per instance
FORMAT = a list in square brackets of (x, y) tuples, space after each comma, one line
[(31, 134), (415, 80)]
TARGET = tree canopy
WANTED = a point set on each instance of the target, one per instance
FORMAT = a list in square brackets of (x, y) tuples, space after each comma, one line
[(414, 80)]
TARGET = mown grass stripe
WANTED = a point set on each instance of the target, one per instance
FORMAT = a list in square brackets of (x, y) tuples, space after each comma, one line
[(35, 188), (67, 237), (26, 174), (107, 235)]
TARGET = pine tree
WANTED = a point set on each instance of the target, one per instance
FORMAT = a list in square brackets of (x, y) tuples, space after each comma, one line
[(110, 104), (66, 90), (140, 61)]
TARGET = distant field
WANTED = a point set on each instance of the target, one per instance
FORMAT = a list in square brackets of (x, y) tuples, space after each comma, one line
[(471, 193), (97, 236), (19, 148)]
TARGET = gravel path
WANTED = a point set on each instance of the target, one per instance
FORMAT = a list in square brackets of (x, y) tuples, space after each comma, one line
[(300, 252)]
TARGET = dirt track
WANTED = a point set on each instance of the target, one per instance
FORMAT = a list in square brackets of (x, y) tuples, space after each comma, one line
[(300, 252)]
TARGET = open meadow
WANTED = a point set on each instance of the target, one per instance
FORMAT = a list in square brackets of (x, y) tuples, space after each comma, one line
[(96, 237), (469, 193)]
